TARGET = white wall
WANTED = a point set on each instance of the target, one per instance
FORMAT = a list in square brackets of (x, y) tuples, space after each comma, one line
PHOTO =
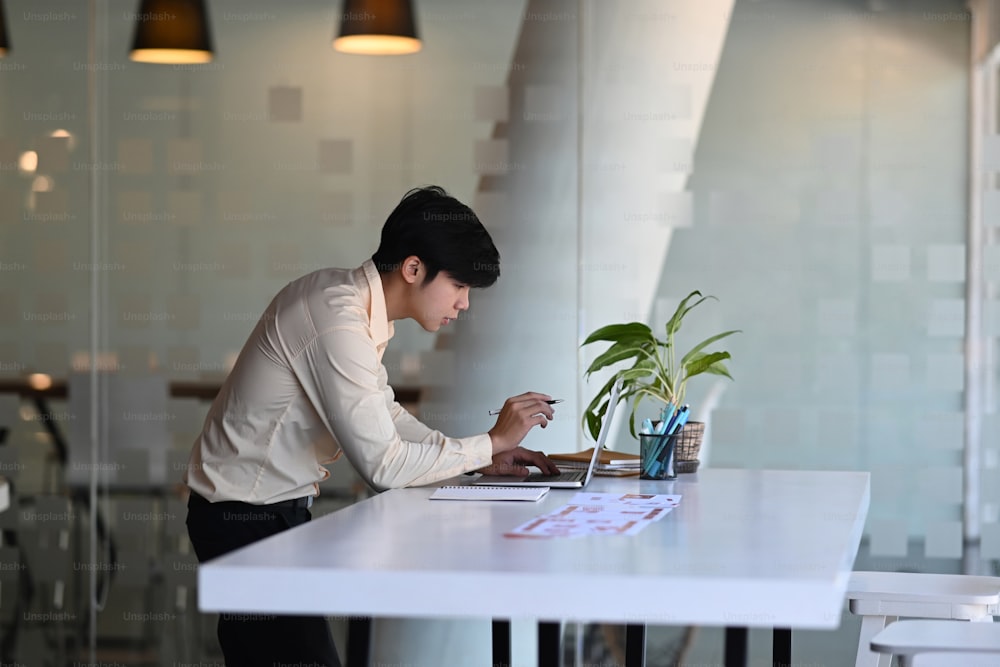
[(829, 196), (601, 133)]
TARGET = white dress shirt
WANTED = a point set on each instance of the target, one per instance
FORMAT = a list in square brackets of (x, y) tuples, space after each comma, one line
[(309, 385)]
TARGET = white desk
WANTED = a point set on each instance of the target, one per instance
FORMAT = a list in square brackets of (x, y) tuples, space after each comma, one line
[(744, 548)]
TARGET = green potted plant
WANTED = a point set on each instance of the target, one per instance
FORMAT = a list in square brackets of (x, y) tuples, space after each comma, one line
[(655, 369)]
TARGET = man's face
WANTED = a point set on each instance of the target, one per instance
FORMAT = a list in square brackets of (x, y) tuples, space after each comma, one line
[(440, 301)]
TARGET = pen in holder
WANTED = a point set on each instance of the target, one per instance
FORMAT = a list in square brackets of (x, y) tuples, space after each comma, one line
[(656, 456)]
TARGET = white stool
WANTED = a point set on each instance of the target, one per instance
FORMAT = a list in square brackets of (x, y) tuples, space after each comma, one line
[(882, 597), (958, 643)]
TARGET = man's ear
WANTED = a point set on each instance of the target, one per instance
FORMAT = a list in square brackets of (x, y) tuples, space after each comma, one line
[(411, 268)]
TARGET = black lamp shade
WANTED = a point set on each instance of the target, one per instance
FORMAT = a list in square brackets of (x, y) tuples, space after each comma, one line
[(377, 27), (4, 42), (172, 31)]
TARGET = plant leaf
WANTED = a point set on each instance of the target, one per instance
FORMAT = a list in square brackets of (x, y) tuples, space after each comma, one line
[(617, 332), (703, 344), (646, 390), (718, 368), (620, 351), (674, 323), (704, 362), (652, 371), (594, 423), (593, 414), (602, 394), (641, 369)]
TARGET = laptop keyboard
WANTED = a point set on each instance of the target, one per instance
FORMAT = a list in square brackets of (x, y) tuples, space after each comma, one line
[(564, 476)]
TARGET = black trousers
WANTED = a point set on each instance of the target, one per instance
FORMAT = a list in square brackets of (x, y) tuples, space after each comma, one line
[(257, 640)]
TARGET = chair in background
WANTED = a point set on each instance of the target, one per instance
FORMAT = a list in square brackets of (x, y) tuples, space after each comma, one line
[(9, 413), (921, 643), (134, 436), (130, 465), (135, 584), (880, 598), (12, 594), (11, 465), (15, 586), (180, 582), (180, 586), (45, 537)]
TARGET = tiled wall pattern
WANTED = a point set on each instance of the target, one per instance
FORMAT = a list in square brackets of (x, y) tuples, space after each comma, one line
[(829, 187), (990, 164), (805, 162), (217, 185), (819, 193), (220, 183)]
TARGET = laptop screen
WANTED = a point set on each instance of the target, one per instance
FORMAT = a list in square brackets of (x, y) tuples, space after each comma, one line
[(602, 436)]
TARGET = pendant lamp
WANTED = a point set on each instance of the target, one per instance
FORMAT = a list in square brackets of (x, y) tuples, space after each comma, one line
[(172, 32), (377, 27)]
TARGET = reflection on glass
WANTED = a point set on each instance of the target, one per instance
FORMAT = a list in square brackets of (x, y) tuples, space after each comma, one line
[(39, 381), (28, 162)]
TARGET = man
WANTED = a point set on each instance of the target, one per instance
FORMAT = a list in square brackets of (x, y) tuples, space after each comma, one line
[(309, 385)]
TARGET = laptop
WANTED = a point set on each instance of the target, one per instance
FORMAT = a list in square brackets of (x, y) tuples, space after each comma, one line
[(567, 478)]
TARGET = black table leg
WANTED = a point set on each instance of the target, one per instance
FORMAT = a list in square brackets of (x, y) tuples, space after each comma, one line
[(635, 645), (52, 426), (549, 643), (736, 647), (359, 633), (501, 643), (781, 640)]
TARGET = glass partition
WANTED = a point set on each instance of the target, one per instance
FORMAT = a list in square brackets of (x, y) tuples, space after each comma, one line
[(804, 162), (170, 203)]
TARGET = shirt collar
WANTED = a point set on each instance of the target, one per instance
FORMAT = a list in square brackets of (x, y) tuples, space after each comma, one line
[(378, 317)]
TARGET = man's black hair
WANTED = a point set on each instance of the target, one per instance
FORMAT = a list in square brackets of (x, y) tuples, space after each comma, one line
[(444, 233)]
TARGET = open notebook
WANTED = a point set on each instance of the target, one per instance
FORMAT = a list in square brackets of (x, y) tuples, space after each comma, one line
[(469, 492)]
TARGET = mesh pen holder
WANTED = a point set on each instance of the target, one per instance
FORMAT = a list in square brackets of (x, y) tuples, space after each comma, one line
[(687, 447), (656, 456)]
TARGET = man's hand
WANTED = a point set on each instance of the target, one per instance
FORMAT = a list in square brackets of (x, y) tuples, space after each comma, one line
[(518, 416), (513, 462)]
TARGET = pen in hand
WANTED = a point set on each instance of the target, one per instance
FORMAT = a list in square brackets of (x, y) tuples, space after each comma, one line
[(552, 402)]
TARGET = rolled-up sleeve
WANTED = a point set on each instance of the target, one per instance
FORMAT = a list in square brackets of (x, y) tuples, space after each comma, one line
[(342, 375)]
